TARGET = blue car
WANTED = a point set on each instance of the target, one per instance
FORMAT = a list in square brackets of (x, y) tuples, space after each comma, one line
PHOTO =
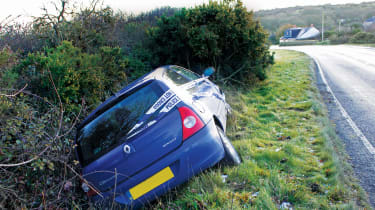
[(153, 135)]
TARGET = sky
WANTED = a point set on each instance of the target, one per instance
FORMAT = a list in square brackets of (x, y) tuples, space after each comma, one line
[(28, 8)]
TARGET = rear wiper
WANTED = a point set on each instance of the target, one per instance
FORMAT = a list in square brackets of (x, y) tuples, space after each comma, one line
[(152, 110)]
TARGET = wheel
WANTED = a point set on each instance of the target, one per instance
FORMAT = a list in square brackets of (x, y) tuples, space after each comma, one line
[(231, 156)]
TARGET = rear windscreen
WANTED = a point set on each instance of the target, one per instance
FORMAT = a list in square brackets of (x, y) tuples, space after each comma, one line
[(111, 127)]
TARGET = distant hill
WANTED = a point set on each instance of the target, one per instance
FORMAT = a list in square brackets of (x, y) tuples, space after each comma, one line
[(352, 16)]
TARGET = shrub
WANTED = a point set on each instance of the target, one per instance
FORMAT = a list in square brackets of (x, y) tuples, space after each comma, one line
[(7, 76), (114, 66), (220, 34), (76, 74), (139, 62), (363, 37), (340, 39)]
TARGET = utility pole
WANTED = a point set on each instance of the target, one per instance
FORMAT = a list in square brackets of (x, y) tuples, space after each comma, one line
[(340, 21), (322, 26)]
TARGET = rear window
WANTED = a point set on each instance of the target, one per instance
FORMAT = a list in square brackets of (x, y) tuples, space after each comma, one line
[(111, 127)]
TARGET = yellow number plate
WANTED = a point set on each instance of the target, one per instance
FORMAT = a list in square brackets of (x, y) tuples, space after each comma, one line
[(151, 183)]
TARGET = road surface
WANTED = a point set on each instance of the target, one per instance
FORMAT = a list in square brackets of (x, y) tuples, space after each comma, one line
[(346, 79)]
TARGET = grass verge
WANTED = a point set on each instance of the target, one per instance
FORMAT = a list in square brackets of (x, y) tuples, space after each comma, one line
[(362, 45), (291, 155)]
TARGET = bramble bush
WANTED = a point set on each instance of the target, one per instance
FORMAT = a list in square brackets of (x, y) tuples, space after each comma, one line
[(36, 147), (77, 75), (220, 34), (27, 133)]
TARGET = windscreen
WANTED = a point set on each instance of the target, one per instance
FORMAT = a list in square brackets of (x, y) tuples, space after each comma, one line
[(111, 127), (186, 73), (176, 78)]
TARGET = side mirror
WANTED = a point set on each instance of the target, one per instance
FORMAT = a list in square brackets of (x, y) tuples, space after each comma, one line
[(208, 72)]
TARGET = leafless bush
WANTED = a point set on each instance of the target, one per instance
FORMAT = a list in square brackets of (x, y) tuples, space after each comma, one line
[(18, 36)]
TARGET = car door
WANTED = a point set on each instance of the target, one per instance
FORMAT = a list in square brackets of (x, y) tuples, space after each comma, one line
[(210, 94)]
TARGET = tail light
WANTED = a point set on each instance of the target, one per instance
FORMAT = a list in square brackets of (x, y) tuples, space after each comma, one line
[(191, 123)]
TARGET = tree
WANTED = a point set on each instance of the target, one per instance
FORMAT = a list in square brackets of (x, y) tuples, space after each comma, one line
[(89, 28), (48, 25)]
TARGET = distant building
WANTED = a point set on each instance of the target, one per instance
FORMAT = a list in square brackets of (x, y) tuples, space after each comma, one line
[(298, 33), (369, 24), (291, 33)]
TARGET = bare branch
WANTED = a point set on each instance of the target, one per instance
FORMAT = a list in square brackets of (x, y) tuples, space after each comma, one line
[(5, 19), (60, 103), (234, 73), (83, 179), (26, 162), (92, 7), (75, 121), (14, 94), (4, 23), (61, 17), (114, 191), (38, 97)]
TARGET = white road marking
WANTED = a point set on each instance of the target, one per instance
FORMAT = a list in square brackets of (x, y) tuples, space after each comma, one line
[(352, 124)]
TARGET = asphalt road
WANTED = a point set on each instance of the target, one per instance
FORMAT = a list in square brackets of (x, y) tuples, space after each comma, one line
[(346, 79)]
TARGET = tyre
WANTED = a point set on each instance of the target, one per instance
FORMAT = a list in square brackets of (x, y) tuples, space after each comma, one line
[(231, 156)]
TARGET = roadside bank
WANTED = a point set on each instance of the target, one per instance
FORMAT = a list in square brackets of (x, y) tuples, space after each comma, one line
[(291, 155)]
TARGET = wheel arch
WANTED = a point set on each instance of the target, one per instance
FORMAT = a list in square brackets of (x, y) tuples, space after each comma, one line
[(218, 123)]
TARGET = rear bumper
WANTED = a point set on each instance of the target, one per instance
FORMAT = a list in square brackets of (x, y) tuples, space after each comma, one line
[(201, 151)]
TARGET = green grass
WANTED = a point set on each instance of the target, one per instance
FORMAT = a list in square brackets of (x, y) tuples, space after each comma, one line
[(289, 150), (299, 42)]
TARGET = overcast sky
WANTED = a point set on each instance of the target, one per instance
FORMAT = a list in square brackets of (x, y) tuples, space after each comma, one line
[(28, 8)]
